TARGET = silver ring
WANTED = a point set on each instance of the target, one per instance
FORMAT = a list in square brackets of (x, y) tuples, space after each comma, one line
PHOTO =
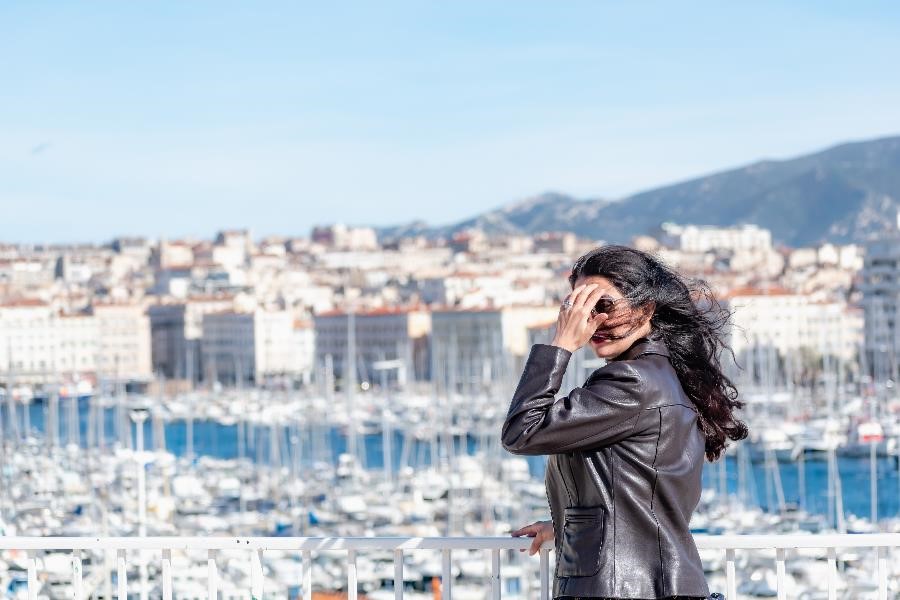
[(566, 304)]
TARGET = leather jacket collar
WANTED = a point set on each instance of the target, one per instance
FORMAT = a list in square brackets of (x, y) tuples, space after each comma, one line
[(650, 344)]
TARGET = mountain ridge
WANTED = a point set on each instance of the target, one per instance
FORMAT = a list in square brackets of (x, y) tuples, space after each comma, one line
[(848, 192)]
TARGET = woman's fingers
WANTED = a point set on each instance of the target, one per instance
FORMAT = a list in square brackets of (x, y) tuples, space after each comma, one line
[(528, 530), (591, 299), (545, 533), (579, 293), (598, 320), (540, 531), (576, 325)]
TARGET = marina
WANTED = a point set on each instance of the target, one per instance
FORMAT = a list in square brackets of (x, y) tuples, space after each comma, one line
[(153, 481), (288, 463)]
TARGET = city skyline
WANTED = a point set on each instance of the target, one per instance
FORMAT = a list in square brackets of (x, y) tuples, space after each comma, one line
[(180, 120)]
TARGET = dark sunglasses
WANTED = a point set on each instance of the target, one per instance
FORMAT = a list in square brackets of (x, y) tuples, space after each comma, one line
[(605, 304)]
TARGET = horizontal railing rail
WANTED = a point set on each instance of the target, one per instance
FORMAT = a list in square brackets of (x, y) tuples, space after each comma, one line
[(256, 546)]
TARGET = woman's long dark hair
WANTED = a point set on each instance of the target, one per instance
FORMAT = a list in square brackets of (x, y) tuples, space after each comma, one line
[(689, 320)]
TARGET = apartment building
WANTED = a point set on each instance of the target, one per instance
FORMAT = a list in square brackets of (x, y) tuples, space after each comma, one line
[(379, 334)]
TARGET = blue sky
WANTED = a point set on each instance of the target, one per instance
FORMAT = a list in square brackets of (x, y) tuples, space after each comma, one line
[(180, 118)]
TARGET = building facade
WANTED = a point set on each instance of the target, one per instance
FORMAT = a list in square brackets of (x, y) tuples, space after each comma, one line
[(124, 341), (176, 328), (472, 347), (38, 343), (791, 325), (379, 334), (880, 286), (703, 238), (248, 347)]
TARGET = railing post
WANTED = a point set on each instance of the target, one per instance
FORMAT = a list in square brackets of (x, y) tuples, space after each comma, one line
[(351, 575), (307, 575), (446, 575), (730, 577), (398, 574), (256, 575), (122, 575), (780, 585), (882, 573), (77, 587), (212, 575), (107, 571), (167, 574), (32, 575), (832, 573), (495, 574), (545, 573)]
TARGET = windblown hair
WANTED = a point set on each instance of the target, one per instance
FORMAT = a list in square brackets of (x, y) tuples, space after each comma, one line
[(689, 320)]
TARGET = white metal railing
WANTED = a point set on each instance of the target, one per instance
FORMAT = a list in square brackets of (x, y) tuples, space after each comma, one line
[(256, 546), (881, 542)]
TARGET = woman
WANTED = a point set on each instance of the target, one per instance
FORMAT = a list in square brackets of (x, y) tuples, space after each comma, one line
[(627, 448)]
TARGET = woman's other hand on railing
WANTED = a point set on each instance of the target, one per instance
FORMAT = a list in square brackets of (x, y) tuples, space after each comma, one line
[(541, 531)]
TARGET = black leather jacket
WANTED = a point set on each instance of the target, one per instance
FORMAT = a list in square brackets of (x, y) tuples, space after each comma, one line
[(624, 473)]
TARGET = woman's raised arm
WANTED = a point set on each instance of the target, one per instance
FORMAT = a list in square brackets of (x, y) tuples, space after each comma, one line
[(602, 413)]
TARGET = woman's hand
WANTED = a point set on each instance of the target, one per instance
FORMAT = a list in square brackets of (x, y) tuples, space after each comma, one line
[(541, 531), (575, 325)]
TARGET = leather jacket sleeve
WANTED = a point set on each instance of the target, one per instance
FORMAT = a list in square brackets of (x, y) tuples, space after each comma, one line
[(601, 413)]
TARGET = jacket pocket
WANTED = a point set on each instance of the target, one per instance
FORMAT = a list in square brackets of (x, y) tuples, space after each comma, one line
[(578, 554)]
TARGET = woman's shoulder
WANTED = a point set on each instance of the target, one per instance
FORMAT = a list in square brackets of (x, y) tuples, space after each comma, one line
[(648, 373), (619, 370)]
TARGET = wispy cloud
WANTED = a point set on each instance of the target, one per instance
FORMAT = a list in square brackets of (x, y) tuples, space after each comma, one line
[(40, 148)]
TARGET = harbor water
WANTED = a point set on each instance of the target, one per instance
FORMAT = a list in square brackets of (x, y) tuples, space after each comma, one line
[(220, 440)]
